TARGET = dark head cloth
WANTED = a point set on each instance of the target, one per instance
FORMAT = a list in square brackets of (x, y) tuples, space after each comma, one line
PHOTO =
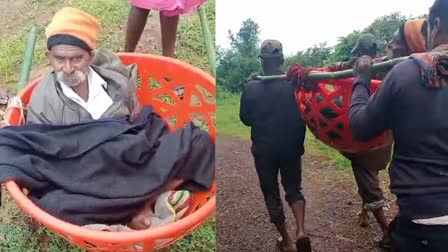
[(63, 39)]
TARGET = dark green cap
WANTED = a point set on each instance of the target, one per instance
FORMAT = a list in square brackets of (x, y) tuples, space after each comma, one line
[(271, 49), (365, 43)]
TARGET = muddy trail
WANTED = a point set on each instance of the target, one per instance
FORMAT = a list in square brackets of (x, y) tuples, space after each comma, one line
[(332, 205)]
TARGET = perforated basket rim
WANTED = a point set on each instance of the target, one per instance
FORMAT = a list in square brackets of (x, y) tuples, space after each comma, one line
[(68, 229)]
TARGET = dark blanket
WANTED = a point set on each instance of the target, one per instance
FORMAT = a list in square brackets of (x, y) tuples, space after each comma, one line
[(104, 171)]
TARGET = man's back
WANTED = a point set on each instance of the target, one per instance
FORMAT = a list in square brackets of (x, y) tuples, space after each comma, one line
[(270, 109), (419, 114), (418, 117)]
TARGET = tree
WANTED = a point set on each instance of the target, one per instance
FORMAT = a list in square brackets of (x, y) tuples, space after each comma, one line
[(383, 28), (235, 64), (315, 56), (245, 42), (342, 50)]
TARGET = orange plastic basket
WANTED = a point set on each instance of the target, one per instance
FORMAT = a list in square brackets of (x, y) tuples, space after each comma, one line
[(161, 81), (333, 127)]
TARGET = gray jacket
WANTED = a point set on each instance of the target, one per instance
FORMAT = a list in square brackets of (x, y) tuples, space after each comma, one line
[(49, 105)]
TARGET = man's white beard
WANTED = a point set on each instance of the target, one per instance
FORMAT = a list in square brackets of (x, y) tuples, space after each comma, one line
[(71, 80)]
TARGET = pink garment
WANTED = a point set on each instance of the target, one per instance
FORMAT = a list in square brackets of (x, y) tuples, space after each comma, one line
[(168, 7)]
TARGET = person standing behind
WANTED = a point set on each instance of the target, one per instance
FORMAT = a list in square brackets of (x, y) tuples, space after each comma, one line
[(278, 134), (169, 19), (367, 165)]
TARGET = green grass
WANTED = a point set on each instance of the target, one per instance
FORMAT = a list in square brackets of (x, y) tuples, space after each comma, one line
[(201, 240), (16, 233), (228, 120), (228, 123)]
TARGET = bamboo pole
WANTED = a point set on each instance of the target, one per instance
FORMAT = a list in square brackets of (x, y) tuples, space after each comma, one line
[(208, 40), (27, 59), (378, 67)]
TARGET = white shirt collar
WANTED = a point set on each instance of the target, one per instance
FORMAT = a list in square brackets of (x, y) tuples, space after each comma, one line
[(98, 100), (95, 78)]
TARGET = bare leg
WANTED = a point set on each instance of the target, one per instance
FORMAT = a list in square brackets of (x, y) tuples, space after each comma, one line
[(286, 243), (134, 28), (363, 217), (168, 27), (298, 209), (382, 221)]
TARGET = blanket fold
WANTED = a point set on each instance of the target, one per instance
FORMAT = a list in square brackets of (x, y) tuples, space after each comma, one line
[(104, 171)]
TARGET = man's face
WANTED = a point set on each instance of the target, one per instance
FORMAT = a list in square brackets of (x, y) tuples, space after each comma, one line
[(70, 63), (397, 47)]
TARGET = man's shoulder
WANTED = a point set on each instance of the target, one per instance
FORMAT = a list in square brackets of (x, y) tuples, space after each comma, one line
[(43, 86), (253, 82), (406, 69)]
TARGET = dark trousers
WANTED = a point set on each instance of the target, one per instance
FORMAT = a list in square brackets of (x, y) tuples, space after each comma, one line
[(408, 236), (268, 168), (366, 167)]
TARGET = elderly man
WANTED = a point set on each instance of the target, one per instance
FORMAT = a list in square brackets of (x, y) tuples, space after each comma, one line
[(85, 84), (278, 134), (412, 101)]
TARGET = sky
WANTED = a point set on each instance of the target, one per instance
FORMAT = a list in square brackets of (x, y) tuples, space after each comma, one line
[(301, 24)]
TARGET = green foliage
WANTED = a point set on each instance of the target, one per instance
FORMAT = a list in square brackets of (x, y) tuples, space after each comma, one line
[(240, 60), (383, 28), (191, 42), (342, 51), (315, 56), (237, 63)]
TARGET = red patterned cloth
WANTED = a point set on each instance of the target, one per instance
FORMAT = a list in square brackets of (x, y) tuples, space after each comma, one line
[(434, 66)]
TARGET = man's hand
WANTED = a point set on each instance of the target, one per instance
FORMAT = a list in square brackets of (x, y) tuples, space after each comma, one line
[(252, 76), (339, 66), (363, 66), (293, 71)]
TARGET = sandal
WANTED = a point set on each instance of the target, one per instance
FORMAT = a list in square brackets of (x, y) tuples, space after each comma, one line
[(303, 244)]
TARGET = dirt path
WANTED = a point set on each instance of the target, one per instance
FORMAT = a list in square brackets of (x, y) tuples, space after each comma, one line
[(332, 203)]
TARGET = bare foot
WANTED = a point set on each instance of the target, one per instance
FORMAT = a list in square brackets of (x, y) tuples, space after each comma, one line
[(143, 219), (363, 218), (286, 245)]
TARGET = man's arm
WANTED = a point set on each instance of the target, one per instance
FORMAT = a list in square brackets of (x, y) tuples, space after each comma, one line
[(340, 66), (34, 117), (40, 110), (245, 107), (369, 116)]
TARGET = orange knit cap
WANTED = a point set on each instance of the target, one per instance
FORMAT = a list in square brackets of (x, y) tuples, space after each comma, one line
[(414, 37), (76, 23)]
